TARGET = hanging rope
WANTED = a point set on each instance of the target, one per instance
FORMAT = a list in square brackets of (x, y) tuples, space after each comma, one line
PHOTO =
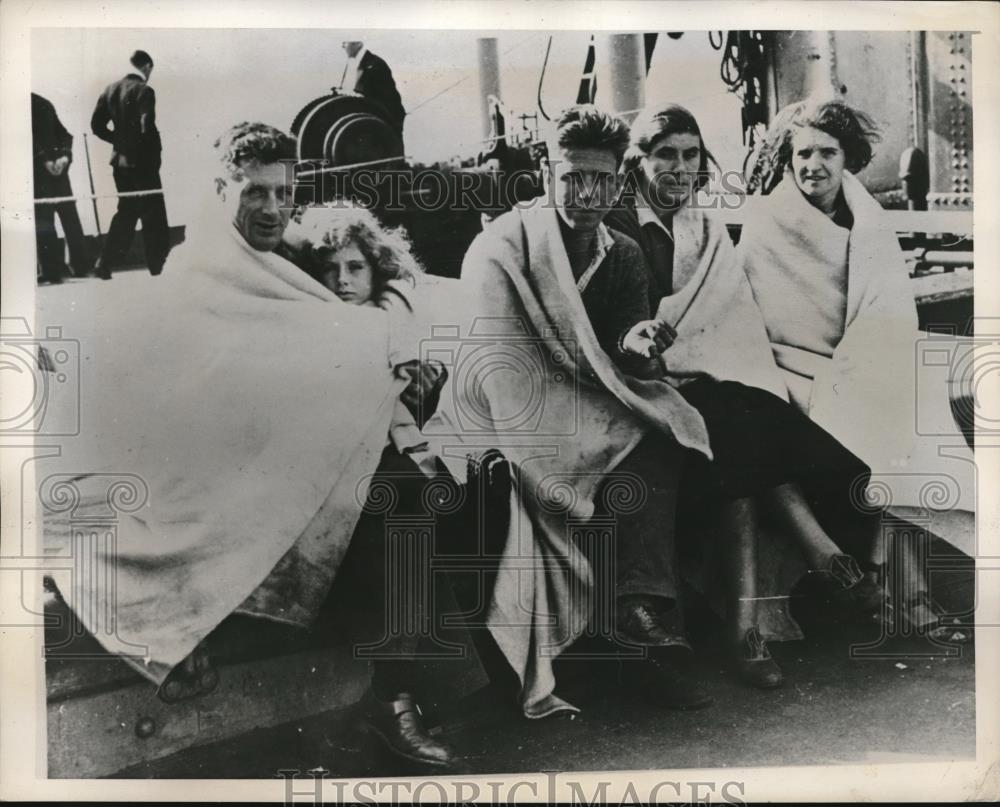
[(744, 70), (541, 78), (450, 87), (437, 95)]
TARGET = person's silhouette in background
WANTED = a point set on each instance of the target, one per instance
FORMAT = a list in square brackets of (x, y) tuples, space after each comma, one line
[(53, 152), (369, 75), (130, 105)]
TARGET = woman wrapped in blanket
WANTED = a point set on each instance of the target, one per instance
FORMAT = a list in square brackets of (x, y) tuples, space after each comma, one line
[(831, 283), (765, 451)]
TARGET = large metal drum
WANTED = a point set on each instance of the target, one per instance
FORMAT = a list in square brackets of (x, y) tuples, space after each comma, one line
[(347, 130), (348, 149)]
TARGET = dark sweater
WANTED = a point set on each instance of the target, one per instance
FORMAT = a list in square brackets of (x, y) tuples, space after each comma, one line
[(625, 220), (616, 298)]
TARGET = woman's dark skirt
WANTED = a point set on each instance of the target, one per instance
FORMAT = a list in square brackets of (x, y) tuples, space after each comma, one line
[(760, 442)]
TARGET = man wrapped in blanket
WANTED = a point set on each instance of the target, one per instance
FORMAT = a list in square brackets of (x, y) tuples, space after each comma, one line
[(252, 421), (555, 372)]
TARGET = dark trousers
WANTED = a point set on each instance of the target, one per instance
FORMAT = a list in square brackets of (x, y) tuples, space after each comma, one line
[(151, 210), (640, 498), (51, 256), (391, 552)]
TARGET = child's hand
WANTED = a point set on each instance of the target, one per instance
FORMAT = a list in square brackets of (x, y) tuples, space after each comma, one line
[(649, 338), (421, 395)]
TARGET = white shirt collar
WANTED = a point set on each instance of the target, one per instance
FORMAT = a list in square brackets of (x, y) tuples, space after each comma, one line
[(351, 69), (603, 244)]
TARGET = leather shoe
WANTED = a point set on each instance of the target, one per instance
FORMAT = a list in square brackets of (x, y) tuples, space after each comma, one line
[(638, 621), (192, 678), (101, 271), (756, 667), (922, 616), (399, 726), (669, 679), (851, 592)]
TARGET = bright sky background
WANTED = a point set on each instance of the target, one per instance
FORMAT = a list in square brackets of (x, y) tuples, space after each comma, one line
[(208, 79)]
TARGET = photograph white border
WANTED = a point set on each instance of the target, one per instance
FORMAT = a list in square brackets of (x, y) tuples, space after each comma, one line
[(22, 691)]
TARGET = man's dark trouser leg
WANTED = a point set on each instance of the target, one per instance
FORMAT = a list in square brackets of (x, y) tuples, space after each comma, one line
[(646, 553), (119, 237), (399, 542), (50, 251), (72, 229), (155, 230), (399, 590), (647, 570)]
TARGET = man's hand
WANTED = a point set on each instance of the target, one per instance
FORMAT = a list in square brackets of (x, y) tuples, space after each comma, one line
[(649, 338), (421, 395), (56, 167)]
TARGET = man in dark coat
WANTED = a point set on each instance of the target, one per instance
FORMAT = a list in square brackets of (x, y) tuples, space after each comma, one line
[(53, 152), (369, 75), (130, 105)]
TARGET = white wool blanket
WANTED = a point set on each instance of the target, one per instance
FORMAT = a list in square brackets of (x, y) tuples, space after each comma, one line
[(842, 322), (229, 421), (720, 330), (527, 376)]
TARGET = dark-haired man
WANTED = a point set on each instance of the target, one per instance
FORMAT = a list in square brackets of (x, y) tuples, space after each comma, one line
[(579, 290), (125, 117)]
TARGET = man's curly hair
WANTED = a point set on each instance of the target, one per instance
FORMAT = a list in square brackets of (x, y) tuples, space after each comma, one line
[(855, 131), (387, 250), (253, 142)]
